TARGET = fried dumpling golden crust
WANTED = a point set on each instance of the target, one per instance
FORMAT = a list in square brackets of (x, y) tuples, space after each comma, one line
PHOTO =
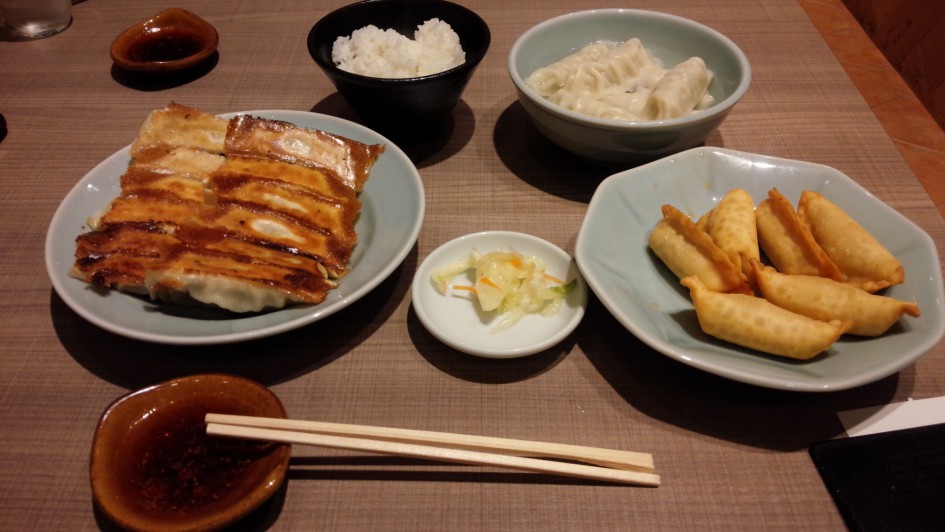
[(788, 243), (755, 323), (825, 299), (732, 226), (268, 224), (178, 126), (187, 162), (863, 260), (189, 264), (350, 160), (687, 250)]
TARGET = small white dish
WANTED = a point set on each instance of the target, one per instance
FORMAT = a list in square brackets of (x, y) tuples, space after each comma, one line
[(647, 299), (457, 321), (392, 209)]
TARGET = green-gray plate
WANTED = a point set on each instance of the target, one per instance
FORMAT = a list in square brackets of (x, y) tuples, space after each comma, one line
[(646, 298), (392, 209)]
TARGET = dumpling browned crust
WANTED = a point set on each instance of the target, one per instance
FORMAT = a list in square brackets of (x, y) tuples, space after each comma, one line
[(180, 126), (276, 140), (245, 229)]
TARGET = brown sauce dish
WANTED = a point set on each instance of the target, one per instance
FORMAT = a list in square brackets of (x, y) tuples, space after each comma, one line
[(174, 39), (153, 466)]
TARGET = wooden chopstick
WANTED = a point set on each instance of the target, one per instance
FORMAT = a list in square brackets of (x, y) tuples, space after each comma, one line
[(248, 428), (612, 458)]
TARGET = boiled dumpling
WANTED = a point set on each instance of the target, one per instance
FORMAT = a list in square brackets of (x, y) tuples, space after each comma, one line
[(680, 91)]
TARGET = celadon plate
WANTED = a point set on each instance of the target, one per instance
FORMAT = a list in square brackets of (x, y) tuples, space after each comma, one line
[(645, 297), (456, 319), (392, 210)]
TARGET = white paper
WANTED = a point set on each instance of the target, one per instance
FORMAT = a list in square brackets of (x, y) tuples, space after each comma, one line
[(896, 416)]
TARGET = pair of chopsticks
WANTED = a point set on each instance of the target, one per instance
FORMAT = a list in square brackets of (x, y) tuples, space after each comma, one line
[(607, 465)]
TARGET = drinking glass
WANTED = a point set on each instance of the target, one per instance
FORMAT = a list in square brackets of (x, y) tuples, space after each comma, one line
[(35, 19)]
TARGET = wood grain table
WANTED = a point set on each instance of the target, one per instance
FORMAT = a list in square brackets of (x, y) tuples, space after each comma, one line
[(730, 454)]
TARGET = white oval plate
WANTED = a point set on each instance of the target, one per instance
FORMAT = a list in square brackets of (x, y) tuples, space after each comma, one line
[(648, 300), (457, 321), (392, 209)]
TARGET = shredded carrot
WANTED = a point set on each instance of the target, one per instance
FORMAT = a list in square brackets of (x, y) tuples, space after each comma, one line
[(552, 278), (516, 262), (486, 280), (465, 287)]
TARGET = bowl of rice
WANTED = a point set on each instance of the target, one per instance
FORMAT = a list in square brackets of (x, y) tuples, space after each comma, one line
[(402, 65)]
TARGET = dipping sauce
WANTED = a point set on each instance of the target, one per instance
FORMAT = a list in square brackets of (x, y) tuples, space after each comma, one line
[(171, 468), (165, 45), (173, 39), (153, 467)]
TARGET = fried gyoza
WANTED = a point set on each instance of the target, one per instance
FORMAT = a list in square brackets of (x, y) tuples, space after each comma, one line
[(687, 250), (731, 224), (276, 140), (788, 243), (825, 299), (186, 162), (861, 258), (246, 214), (180, 126), (758, 324)]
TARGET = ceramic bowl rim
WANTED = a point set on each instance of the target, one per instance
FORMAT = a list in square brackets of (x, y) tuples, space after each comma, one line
[(714, 112)]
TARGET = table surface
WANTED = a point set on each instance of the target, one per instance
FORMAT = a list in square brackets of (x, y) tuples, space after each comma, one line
[(728, 453)]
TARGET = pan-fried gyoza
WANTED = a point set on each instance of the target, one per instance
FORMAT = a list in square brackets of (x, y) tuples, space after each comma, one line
[(247, 214)]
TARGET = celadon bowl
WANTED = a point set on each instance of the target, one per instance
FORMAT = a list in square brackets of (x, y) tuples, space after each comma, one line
[(669, 38)]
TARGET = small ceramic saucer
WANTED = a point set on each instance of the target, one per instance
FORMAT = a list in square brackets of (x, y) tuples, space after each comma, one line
[(457, 320), (174, 39), (154, 468)]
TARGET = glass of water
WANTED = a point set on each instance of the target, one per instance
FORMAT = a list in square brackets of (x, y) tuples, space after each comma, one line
[(35, 19)]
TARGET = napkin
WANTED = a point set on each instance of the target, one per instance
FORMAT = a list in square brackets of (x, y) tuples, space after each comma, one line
[(895, 416)]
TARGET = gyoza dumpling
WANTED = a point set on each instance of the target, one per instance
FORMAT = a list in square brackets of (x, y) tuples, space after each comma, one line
[(861, 258), (788, 243), (755, 323), (825, 299), (550, 79), (731, 224), (621, 63), (680, 91), (687, 250)]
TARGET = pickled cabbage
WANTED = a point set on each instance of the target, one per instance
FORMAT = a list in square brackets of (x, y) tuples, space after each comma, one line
[(507, 283)]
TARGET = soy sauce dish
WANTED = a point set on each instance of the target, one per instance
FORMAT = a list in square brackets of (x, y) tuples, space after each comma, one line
[(153, 467), (173, 39)]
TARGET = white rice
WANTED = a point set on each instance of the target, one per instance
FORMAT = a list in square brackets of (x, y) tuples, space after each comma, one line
[(370, 51)]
